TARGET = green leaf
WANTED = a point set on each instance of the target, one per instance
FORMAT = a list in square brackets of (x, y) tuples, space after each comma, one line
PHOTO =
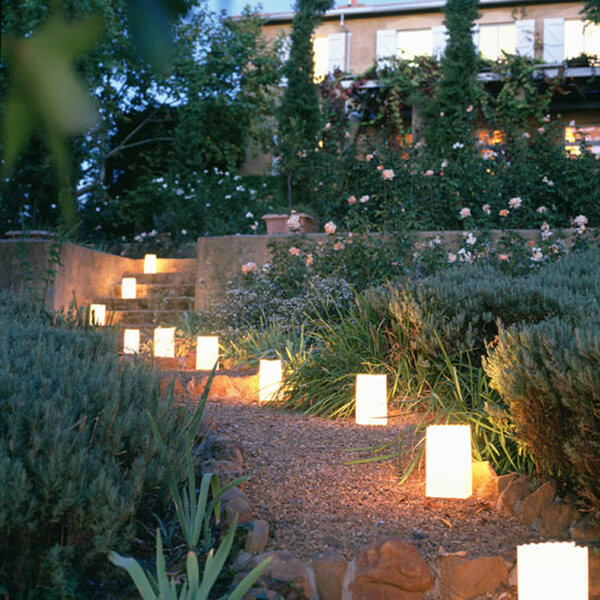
[(245, 584), (193, 575), (150, 28), (135, 572)]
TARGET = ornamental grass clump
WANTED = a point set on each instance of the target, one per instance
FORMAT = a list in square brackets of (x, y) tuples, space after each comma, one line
[(430, 337), (79, 466)]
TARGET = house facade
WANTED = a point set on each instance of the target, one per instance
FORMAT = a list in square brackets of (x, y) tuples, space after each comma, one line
[(353, 36)]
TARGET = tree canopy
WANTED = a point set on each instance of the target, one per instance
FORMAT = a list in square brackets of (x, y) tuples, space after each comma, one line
[(195, 111)]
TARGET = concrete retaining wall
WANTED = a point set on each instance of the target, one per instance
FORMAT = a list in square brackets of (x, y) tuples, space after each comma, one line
[(84, 273), (219, 259)]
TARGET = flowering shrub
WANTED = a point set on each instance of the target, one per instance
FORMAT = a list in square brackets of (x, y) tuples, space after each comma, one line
[(360, 259), (512, 187), (212, 203), (261, 302), (414, 187)]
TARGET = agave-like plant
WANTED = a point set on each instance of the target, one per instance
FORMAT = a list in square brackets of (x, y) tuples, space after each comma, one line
[(193, 588), (193, 511)]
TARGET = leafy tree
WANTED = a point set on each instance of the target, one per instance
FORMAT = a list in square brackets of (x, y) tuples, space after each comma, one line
[(299, 115), (49, 83), (151, 120), (452, 119)]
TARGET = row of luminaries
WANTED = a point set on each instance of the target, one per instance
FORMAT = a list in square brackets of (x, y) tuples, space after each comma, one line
[(560, 569)]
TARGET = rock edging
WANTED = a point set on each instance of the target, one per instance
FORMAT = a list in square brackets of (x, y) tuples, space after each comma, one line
[(392, 568)]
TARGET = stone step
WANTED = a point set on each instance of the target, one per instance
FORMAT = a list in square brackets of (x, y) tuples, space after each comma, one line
[(175, 277), (149, 303), (137, 318), (146, 290), (146, 333)]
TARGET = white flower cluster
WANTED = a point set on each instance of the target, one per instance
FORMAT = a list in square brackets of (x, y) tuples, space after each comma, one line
[(580, 221), (545, 232), (143, 236)]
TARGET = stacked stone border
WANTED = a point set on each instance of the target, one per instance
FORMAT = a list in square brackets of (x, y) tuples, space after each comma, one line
[(392, 568)]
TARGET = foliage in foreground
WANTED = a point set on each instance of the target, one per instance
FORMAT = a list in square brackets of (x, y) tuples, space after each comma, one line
[(77, 464), (194, 511)]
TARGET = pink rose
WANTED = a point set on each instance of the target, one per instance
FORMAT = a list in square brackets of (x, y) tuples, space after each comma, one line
[(248, 268), (388, 174), (330, 228)]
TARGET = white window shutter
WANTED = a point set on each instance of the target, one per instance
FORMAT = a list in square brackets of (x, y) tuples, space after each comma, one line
[(526, 37), (387, 46), (475, 34), (554, 40), (337, 52), (440, 39)]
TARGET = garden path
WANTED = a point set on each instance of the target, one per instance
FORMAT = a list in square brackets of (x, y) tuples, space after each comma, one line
[(315, 503)]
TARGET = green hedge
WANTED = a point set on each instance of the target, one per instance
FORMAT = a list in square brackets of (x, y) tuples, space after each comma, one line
[(78, 461), (548, 375)]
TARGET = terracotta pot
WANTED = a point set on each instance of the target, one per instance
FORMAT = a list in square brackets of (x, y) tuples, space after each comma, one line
[(278, 223)]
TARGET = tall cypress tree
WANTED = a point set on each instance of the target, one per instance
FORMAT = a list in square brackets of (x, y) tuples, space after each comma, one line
[(299, 115), (455, 111)]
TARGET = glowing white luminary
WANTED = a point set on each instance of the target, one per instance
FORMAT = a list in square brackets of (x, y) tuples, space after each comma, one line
[(150, 263), (371, 399), (552, 571), (128, 285), (98, 314), (131, 341), (270, 380), (207, 352), (164, 342), (448, 461)]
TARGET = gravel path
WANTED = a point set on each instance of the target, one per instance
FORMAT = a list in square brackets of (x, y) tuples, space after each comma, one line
[(315, 503)]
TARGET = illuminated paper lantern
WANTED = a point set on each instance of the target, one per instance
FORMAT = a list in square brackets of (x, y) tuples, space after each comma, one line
[(128, 285), (164, 342), (98, 314), (207, 352), (131, 341), (371, 399), (270, 379), (150, 263), (448, 461), (552, 571)]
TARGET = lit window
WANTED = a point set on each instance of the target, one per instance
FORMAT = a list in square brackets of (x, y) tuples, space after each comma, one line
[(496, 39), (586, 134), (321, 50), (329, 52), (581, 37), (488, 139), (415, 42)]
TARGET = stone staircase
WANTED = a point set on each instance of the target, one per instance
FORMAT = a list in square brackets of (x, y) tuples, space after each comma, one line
[(160, 300)]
